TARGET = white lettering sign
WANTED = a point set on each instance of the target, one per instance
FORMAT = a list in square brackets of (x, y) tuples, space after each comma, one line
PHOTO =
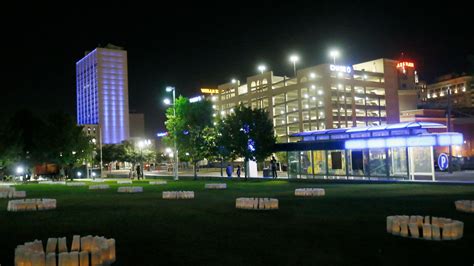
[(195, 99), (346, 69)]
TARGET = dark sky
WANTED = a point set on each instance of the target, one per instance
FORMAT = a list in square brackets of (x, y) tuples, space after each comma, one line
[(205, 44)]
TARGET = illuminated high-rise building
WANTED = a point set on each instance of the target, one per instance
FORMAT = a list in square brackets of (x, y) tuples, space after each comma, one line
[(102, 92)]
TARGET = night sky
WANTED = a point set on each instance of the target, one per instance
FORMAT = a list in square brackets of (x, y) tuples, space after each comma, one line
[(193, 46)]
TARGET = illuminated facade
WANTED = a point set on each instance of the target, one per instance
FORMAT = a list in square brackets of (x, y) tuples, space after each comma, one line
[(462, 92), (324, 96), (102, 92)]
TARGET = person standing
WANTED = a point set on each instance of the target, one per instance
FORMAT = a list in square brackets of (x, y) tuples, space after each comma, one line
[(229, 171), (238, 171), (138, 172), (273, 163)]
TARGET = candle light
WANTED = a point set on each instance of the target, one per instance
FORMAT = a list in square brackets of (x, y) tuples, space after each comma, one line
[(51, 259), (84, 258), (414, 231), (62, 247), (76, 243), (74, 258)]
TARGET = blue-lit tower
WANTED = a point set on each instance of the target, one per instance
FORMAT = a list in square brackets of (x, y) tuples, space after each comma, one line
[(102, 92)]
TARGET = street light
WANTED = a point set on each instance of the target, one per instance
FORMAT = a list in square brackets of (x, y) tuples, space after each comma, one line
[(168, 102), (334, 53), (141, 145), (20, 170), (262, 68), (294, 59)]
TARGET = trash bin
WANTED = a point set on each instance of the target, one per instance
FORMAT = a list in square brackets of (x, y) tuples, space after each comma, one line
[(267, 172)]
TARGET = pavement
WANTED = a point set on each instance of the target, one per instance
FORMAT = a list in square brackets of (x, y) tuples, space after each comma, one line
[(466, 176)]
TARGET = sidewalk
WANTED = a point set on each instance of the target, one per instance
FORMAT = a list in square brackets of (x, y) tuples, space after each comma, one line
[(460, 176)]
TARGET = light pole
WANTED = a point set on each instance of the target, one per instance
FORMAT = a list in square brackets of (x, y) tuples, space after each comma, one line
[(334, 54), (141, 145), (262, 68), (450, 149), (167, 101), (294, 59)]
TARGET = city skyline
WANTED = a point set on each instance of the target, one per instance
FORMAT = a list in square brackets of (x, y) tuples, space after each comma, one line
[(203, 54)]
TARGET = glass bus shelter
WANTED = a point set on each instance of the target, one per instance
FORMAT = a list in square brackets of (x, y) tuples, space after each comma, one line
[(400, 151)]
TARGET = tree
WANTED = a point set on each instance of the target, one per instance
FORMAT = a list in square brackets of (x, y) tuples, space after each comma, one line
[(30, 140), (65, 143), (193, 129), (112, 153), (127, 151), (247, 133)]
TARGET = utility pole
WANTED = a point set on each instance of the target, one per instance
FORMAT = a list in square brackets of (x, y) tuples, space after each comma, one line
[(450, 169)]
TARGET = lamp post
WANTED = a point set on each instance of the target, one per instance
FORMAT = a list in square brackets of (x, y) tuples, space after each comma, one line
[(450, 149), (141, 145), (167, 101), (294, 59), (334, 54), (262, 68)]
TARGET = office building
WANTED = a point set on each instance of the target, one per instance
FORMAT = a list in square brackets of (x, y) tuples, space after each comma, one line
[(102, 92), (326, 96), (462, 92)]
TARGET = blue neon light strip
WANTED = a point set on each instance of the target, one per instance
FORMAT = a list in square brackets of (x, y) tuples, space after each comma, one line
[(416, 141), (443, 139)]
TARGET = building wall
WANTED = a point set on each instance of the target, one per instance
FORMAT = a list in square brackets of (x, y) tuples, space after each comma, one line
[(392, 85), (137, 125), (464, 126), (320, 97), (102, 93), (462, 93), (87, 90)]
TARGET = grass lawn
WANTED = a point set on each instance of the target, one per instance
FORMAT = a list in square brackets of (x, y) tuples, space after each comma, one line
[(346, 227)]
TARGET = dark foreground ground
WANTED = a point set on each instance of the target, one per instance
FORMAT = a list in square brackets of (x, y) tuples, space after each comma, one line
[(346, 227)]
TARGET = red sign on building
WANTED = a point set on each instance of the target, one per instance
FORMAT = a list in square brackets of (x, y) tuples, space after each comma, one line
[(405, 64)]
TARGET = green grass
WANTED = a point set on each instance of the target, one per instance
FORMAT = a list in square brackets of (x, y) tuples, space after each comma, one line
[(346, 227)]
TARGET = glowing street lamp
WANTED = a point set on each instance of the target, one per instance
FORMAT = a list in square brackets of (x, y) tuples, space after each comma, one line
[(262, 68), (234, 81), (294, 59), (168, 102), (142, 144), (19, 170), (334, 54)]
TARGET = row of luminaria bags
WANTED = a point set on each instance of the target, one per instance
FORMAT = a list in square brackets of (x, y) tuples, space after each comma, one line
[(85, 251), (7, 192), (417, 226), (31, 205), (130, 189), (465, 205), (256, 203)]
